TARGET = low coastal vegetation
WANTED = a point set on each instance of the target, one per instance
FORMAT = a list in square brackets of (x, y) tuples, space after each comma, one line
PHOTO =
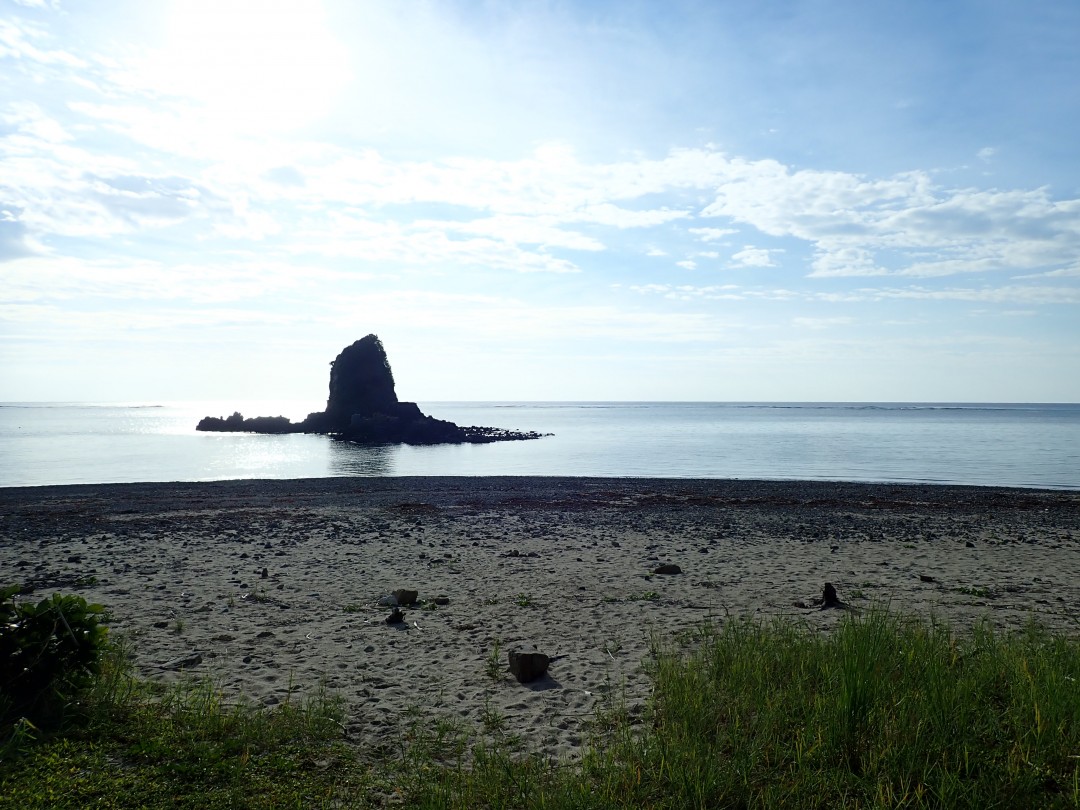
[(883, 711)]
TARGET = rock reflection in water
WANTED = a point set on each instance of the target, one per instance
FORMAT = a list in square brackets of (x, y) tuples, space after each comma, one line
[(348, 458)]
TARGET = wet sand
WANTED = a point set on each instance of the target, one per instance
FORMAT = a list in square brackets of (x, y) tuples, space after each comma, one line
[(272, 587)]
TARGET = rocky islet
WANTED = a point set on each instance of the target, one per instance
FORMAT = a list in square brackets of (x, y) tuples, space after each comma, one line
[(363, 407)]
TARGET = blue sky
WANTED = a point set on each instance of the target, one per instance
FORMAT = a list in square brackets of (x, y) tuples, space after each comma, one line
[(541, 200)]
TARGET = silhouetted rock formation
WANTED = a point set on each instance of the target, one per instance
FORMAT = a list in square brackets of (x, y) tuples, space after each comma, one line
[(363, 407), (361, 384), (237, 423)]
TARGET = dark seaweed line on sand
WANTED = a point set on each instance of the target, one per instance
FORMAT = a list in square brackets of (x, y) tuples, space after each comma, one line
[(527, 492)]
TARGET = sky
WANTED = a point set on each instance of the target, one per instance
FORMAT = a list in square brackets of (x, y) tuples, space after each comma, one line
[(748, 200)]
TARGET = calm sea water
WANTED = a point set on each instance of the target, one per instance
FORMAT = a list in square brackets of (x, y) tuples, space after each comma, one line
[(1000, 445)]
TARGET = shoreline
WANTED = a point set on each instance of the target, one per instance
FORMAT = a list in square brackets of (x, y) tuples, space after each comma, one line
[(562, 564), (333, 485)]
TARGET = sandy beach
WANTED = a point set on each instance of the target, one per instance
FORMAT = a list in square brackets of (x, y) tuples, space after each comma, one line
[(272, 586)]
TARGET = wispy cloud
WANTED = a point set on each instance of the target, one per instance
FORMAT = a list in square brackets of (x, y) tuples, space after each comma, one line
[(751, 256), (845, 262), (26, 42), (712, 234)]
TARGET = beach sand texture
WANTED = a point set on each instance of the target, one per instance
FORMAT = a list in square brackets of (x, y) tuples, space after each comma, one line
[(560, 564)]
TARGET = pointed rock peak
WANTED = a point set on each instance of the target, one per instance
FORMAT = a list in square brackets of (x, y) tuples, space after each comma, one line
[(361, 382)]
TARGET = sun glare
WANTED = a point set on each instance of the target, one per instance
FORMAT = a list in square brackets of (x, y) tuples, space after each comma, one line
[(252, 64)]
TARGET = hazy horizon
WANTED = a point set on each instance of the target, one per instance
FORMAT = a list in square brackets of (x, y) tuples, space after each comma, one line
[(318, 404), (784, 201)]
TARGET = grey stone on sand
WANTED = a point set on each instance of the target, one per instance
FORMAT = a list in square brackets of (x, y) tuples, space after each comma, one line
[(405, 597), (184, 662), (527, 665), (829, 598), (667, 568)]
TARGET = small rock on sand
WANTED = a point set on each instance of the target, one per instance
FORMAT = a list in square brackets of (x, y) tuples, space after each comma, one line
[(829, 598), (527, 665), (185, 662)]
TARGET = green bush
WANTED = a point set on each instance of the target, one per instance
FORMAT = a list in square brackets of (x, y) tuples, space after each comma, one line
[(49, 653)]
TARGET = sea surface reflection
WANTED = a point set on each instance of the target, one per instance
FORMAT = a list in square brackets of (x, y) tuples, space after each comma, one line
[(354, 459), (1028, 445)]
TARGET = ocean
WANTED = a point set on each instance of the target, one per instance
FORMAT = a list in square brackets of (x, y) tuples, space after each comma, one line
[(1021, 445)]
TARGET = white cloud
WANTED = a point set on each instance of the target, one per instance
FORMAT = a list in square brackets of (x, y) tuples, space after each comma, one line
[(17, 41), (1064, 272), (712, 234), (212, 184), (431, 244), (32, 127), (852, 225), (551, 182), (810, 204), (751, 256), (13, 240), (689, 292), (607, 214), (998, 295), (928, 230), (541, 231), (52, 279), (844, 261), (248, 225), (1009, 294), (503, 318), (179, 131)]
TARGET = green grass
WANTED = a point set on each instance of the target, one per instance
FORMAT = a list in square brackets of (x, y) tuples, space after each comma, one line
[(881, 712), (181, 746), (974, 590), (493, 663)]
